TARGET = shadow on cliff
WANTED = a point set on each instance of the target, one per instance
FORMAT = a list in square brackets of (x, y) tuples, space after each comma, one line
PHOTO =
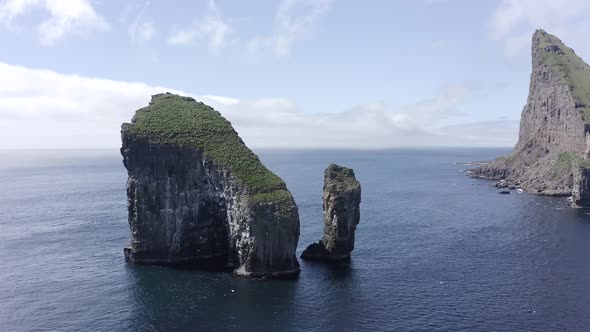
[(332, 270), (209, 265), (186, 300), (584, 214)]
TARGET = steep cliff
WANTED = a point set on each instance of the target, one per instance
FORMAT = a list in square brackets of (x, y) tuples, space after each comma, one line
[(342, 198), (552, 151), (198, 195)]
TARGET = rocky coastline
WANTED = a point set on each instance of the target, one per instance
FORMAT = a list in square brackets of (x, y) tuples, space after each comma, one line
[(551, 156)]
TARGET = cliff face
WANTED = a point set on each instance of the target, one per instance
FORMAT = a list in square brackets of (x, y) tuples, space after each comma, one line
[(553, 143), (197, 195), (342, 198)]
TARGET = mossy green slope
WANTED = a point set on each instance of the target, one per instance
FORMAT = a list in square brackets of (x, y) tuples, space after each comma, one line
[(571, 68), (566, 160), (174, 119), (342, 177)]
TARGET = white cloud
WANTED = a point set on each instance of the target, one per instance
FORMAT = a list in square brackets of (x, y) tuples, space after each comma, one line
[(295, 20), (65, 17), (45, 109), (496, 133), (436, 110), (443, 44), (436, 2), (212, 28), (513, 22), (140, 30)]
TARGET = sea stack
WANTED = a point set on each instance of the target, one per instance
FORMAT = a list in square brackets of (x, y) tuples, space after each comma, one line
[(342, 198), (551, 156), (197, 195)]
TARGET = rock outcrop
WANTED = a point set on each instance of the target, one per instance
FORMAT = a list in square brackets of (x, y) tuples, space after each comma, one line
[(553, 147), (342, 198), (197, 195)]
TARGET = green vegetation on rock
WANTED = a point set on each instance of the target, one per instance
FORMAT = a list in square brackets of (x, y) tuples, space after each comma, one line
[(173, 119), (567, 160), (571, 67), (505, 160), (342, 176), (282, 198), (564, 163)]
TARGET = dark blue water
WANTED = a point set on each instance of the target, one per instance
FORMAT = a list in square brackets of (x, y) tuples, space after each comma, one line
[(435, 251)]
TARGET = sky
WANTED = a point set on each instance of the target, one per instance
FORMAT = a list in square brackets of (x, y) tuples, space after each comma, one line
[(286, 73)]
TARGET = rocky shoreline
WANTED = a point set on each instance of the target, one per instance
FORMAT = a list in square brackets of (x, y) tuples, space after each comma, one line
[(551, 156), (510, 185)]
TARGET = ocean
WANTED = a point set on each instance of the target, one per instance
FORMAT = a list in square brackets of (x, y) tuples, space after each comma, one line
[(435, 251)]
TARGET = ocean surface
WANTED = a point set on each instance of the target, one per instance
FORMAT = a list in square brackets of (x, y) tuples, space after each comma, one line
[(435, 251)]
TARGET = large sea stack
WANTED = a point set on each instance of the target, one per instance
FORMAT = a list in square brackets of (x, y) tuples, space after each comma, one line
[(551, 156), (342, 198), (197, 195)]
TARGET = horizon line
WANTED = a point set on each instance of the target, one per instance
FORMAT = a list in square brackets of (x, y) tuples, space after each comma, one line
[(286, 148)]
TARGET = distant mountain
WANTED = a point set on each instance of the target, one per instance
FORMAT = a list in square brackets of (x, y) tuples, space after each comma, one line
[(551, 156)]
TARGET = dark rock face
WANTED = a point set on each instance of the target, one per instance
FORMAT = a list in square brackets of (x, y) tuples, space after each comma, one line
[(342, 198), (553, 143), (188, 205), (581, 187)]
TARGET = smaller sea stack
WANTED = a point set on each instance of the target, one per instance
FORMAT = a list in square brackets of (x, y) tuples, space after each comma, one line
[(342, 198)]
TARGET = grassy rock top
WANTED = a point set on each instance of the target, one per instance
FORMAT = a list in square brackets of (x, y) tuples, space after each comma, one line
[(340, 177), (178, 120), (555, 54), (567, 160)]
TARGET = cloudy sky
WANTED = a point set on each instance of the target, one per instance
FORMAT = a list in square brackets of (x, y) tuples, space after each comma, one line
[(286, 73)]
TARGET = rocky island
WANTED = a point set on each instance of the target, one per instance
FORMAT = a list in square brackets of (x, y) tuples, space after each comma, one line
[(551, 156), (198, 195), (342, 198)]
